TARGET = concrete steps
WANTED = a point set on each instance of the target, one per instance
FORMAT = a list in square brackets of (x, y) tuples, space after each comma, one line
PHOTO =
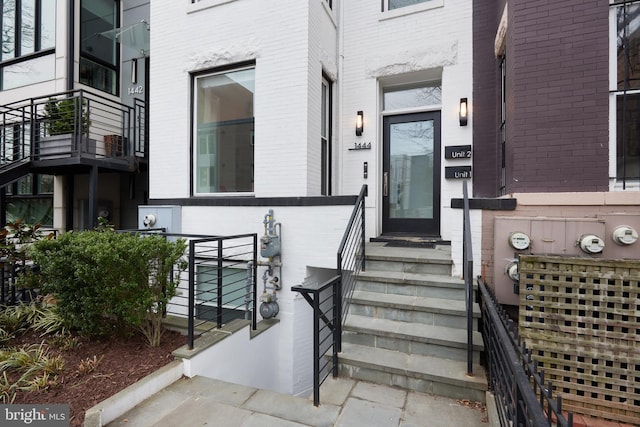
[(406, 324)]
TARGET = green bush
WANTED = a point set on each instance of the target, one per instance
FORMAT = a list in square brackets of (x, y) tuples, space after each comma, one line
[(107, 283)]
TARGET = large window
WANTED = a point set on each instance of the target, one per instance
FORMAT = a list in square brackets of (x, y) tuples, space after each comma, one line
[(396, 4), (31, 199), (99, 55), (27, 28), (325, 139), (627, 89), (224, 131)]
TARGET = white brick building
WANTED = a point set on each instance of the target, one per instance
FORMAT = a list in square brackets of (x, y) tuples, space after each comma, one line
[(226, 159)]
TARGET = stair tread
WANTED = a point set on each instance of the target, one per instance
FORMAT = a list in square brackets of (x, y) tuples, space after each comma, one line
[(440, 280), (379, 250), (415, 365), (435, 305), (452, 337)]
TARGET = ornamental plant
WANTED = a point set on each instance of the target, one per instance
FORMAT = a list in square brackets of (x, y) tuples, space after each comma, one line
[(108, 283)]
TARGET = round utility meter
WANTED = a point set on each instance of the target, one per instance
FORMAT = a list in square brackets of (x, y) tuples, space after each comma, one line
[(625, 235), (591, 244), (512, 271), (519, 240)]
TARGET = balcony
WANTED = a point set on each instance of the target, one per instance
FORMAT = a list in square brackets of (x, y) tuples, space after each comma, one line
[(70, 132)]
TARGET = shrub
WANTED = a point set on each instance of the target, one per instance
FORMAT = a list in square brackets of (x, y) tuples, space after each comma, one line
[(108, 283)]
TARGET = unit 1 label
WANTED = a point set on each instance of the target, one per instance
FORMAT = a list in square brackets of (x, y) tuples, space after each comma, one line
[(457, 172)]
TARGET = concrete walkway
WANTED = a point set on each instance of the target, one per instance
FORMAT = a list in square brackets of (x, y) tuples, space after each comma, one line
[(201, 401)]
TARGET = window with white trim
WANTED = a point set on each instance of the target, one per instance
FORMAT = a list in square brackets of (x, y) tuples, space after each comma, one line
[(223, 129), (627, 89)]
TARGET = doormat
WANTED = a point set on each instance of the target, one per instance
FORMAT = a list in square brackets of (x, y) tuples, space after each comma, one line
[(410, 244)]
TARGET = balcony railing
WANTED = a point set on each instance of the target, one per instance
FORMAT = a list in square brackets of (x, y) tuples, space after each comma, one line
[(72, 125)]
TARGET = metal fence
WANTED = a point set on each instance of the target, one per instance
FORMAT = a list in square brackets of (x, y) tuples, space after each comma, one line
[(522, 397)]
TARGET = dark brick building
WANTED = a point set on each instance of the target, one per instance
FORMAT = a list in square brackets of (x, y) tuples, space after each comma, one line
[(541, 97)]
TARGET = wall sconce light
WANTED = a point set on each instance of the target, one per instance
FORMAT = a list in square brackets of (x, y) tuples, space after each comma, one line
[(464, 112), (359, 123)]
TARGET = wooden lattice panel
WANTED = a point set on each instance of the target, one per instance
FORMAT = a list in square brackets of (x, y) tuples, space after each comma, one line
[(581, 319)]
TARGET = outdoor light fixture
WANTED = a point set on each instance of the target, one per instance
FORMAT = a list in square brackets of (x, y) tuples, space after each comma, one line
[(464, 112), (359, 123)]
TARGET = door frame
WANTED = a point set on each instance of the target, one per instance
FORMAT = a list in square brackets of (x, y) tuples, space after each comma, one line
[(411, 226)]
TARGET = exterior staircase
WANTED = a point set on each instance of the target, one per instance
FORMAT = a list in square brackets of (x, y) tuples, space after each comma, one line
[(406, 325)]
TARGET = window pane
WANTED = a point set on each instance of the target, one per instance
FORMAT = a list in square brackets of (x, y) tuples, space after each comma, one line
[(32, 211), (395, 4), (234, 291), (28, 30), (28, 72), (98, 76), (8, 29), (224, 132), (96, 17), (25, 185), (48, 24), (45, 184), (628, 46), (412, 97), (628, 136)]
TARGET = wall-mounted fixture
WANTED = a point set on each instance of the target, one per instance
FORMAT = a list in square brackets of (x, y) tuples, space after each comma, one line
[(464, 112), (591, 244), (625, 235), (359, 123), (519, 240)]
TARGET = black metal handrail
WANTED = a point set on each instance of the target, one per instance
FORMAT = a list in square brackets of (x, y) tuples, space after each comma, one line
[(330, 300), (351, 258), (467, 267), (324, 299), (522, 397)]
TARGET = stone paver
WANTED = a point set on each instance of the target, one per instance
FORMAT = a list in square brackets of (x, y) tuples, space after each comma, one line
[(344, 403)]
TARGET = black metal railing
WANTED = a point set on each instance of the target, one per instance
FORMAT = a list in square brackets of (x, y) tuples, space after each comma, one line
[(11, 267), (221, 282), (71, 124), (467, 267), (351, 258), (330, 300), (325, 301), (522, 397)]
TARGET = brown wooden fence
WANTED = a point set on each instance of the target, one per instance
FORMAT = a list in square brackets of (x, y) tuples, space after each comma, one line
[(581, 318)]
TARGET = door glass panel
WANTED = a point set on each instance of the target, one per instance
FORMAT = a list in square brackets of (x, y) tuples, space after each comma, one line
[(411, 166)]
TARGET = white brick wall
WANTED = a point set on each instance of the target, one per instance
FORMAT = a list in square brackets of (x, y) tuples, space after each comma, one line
[(292, 42)]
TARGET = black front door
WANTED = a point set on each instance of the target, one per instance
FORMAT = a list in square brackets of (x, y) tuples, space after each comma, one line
[(411, 174)]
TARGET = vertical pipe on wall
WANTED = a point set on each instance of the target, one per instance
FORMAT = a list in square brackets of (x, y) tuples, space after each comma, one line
[(71, 26)]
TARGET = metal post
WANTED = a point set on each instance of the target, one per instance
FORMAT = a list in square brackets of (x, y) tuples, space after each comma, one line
[(255, 282), (219, 290), (316, 349), (338, 295), (337, 326), (191, 296)]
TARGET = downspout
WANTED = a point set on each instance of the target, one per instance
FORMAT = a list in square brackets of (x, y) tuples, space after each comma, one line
[(339, 95), (69, 178), (70, 43)]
